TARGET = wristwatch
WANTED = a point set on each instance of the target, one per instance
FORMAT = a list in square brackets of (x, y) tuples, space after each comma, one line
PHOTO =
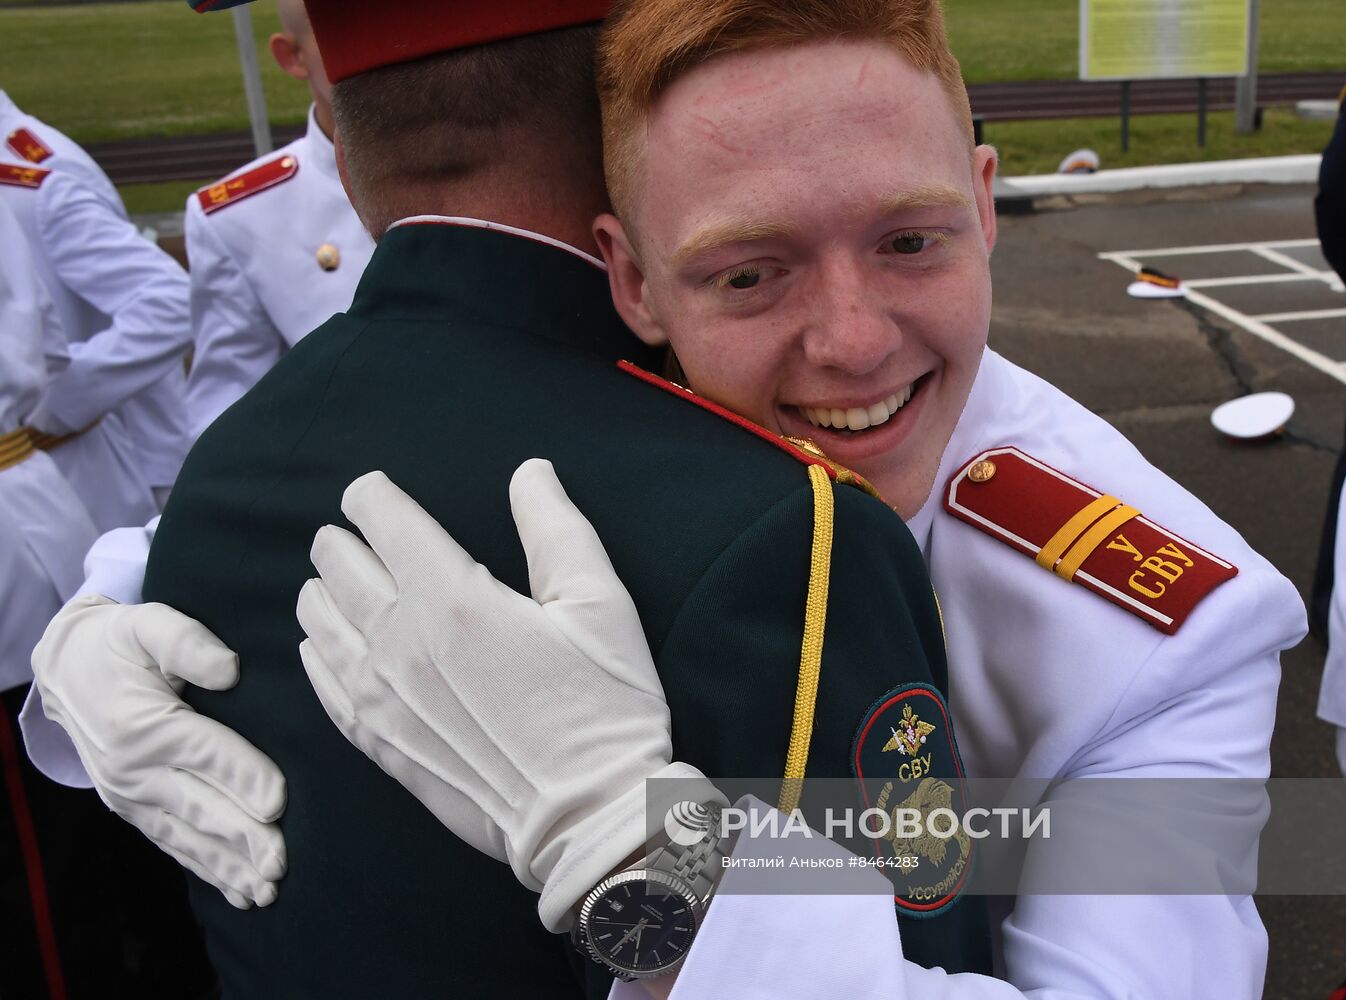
[(640, 923)]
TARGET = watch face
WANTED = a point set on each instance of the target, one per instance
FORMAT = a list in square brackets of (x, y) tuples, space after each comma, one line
[(641, 927)]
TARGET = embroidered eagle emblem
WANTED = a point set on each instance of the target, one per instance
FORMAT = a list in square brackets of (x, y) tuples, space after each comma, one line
[(909, 738)]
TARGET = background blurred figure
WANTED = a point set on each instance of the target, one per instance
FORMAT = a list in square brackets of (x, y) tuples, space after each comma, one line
[(275, 247), (1328, 607), (85, 909), (123, 307), (275, 250)]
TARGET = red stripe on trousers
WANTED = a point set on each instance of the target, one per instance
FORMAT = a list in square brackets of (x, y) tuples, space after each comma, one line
[(32, 860)]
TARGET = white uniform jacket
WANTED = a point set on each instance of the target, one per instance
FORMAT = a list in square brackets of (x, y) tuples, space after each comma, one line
[(123, 302), (1049, 680), (44, 528), (1332, 696), (257, 284)]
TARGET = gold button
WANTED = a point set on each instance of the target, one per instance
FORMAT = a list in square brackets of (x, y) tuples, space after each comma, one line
[(329, 257), (982, 472), (806, 444), (287, 163)]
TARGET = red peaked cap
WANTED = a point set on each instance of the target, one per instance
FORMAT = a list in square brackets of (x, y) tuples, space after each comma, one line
[(359, 35)]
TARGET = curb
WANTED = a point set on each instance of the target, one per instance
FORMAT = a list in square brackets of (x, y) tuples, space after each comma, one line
[(1014, 192)]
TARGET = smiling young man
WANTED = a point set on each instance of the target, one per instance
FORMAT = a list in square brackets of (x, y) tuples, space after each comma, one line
[(832, 281)]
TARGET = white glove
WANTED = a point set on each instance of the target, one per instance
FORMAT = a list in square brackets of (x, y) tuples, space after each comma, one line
[(527, 726), (110, 676)]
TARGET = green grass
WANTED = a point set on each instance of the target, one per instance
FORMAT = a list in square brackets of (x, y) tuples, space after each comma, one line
[(167, 196), (1008, 40), (118, 70), (1038, 147)]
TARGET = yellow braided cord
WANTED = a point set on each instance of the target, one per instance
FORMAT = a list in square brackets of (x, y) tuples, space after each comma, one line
[(14, 447), (1092, 539), (1056, 546), (811, 654)]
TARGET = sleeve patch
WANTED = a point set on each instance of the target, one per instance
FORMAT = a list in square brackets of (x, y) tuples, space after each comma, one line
[(27, 145), (259, 178), (29, 177), (1085, 536), (800, 449)]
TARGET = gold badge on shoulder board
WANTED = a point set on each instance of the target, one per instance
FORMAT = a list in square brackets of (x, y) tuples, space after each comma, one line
[(329, 257)]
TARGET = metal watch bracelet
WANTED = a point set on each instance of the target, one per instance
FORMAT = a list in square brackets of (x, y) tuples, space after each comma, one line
[(698, 865)]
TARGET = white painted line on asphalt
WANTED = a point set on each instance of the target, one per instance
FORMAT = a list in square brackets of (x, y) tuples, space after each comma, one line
[(1258, 326), (1292, 317), (1209, 248), (1273, 336), (1285, 260), (1257, 279)]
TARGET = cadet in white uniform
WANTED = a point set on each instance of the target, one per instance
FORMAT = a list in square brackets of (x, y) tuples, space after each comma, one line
[(275, 247), (279, 252), (44, 531), (125, 298), (276, 225), (44, 528)]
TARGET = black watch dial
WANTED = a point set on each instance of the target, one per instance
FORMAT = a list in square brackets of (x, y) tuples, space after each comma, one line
[(641, 926)]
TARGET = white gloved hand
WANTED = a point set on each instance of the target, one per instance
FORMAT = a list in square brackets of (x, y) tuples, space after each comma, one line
[(527, 726), (110, 676)]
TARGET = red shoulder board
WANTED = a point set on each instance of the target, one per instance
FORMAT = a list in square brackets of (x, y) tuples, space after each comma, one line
[(800, 449), (1085, 536), (259, 178), (27, 145), (29, 177)]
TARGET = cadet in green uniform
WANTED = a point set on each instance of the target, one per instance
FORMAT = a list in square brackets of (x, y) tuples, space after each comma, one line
[(470, 347)]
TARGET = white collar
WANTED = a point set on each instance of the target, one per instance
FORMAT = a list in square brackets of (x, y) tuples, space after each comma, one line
[(319, 146), (452, 220)]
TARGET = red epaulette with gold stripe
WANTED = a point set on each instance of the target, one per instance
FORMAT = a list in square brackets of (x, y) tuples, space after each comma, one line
[(27, 145), (29, 177), (259, 178), (1085, 536), (801, 449)]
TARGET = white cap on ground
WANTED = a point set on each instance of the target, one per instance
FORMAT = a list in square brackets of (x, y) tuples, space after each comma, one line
[(1151, 283), (1082, 161), (1254, 416)]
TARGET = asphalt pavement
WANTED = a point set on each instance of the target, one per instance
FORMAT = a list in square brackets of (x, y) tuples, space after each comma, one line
[(1155, 369)]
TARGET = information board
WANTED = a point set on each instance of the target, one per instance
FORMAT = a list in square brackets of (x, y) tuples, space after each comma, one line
[(1168, 39)]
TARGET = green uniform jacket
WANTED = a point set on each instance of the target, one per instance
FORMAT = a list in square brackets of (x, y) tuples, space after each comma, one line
[(465, 352)]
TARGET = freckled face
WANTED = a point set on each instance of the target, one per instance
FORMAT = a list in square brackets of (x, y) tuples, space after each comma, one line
[(811, 231)]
